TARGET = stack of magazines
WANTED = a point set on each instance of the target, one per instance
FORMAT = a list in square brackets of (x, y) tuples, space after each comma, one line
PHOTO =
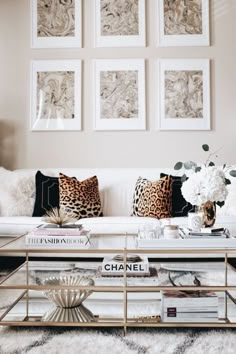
[(194, 306), (74, 237)]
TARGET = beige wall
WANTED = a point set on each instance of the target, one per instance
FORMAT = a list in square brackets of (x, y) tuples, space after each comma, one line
[(152, 148)]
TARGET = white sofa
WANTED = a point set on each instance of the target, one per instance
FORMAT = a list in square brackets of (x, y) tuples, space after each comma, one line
[(116, 187)]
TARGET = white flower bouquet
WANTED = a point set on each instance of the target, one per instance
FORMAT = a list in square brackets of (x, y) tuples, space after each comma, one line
[(207, 183)]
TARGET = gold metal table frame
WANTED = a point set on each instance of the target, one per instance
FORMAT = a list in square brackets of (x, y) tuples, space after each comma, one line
[(124, 322)]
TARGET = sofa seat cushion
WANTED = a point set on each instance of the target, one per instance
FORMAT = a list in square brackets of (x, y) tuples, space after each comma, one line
[(18, 225), (117, 224)]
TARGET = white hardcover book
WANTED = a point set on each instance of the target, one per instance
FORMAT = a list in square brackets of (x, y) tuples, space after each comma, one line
[(131, 281), (205, 299), (191, 309), (113, 266), (57, 241)]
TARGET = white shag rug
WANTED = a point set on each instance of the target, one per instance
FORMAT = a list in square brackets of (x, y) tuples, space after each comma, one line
[(91, 341)]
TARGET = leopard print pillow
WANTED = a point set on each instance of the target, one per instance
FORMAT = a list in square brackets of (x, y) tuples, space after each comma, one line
[(80, 198), (153, 199)]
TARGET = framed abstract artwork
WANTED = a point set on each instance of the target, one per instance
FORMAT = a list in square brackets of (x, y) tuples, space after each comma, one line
[(55, 95), (120, 94), (120, 23), (56, 23), (183, 23), (184, 99)]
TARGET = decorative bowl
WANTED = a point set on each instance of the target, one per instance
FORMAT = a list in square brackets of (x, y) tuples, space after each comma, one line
[(67, 298)]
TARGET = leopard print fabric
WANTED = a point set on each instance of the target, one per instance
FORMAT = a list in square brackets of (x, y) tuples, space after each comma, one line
[(80, 198), (153, 199)]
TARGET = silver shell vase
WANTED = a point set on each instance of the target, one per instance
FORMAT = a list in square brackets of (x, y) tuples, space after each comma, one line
[(68, 301)]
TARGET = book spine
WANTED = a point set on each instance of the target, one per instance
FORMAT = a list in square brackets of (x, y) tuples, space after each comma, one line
[(194, 303), (58, 232), (191, 309), (57, 240)]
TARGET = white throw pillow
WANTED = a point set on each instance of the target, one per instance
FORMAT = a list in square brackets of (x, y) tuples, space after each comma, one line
[(17, 193)]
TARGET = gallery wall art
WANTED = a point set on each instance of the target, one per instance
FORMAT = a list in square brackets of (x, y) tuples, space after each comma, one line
[(56, 23), (184, 100), (55, 95), (119, 94), (183, 23), (120, 23)]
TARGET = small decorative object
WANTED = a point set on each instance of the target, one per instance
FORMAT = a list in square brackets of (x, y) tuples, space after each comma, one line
[(59, 217), (171, 231), (120, 94), (206, 187), (149, 231), (184, 94), (56, 24), (120, 23), (209, 213), (68, 298), (194, 221), (55, 95), (183, 23)]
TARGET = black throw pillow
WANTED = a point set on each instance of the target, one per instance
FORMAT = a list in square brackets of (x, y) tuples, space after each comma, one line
[(47, 194), (180, 207)]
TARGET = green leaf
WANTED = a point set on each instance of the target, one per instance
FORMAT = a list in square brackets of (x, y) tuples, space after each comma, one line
[(178, 166), (233, 173), (211, 163), (205, 147), (227, 181), (189, 165), (220, 204), (183, 178), (198, 169)]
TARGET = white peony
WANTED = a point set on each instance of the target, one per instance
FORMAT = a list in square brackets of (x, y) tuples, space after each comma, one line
[(206, 185)]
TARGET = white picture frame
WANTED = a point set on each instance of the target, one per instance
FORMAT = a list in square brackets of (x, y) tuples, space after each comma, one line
[(184, 94), (105, 37), (170, 34), (53, 37), (119, 107), (55, 95)]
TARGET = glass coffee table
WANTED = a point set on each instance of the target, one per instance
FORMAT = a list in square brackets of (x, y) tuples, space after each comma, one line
[(77, 293)]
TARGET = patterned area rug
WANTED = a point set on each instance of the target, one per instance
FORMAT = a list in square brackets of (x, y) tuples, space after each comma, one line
[(20, 340), (90, 341)]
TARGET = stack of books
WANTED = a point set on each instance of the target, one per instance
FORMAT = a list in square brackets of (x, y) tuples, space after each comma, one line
[(58, 237), (191, 306)]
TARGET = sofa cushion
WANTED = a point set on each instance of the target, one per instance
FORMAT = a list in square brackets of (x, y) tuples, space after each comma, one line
[(17, 192), (180, 207), (80, 198), (47, 193), (117, 224), (153, 199), (18, 225)]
